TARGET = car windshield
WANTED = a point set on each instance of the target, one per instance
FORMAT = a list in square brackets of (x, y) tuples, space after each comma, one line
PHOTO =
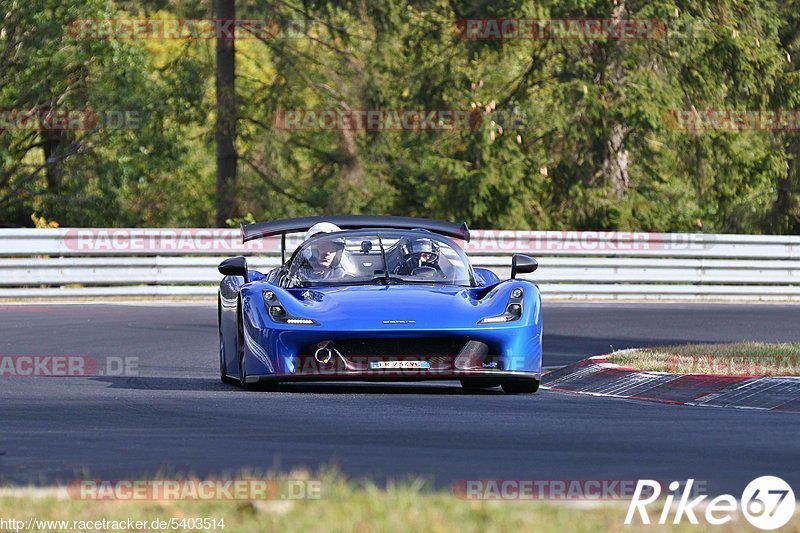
[(369, 257)]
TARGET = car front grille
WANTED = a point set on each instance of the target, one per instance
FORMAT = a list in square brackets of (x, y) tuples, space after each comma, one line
[(357, 354), (441, 347)]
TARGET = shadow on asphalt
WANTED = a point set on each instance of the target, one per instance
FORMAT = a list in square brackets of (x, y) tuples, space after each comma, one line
[(383, 388), (211, 385)]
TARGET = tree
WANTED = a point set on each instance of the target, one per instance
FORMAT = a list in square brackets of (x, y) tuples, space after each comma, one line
[(148, 170), (226, 117)]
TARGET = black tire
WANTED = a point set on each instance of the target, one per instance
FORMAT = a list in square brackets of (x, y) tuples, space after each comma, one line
[(478, 384), (521, 386), (272, 385), (223, 376), (258, 386), (240, 348), (243, 377)]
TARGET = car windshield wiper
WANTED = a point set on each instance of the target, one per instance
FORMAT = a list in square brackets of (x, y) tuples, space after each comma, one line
[(383, 256), (400, 280), (383, 278), (339, 282)]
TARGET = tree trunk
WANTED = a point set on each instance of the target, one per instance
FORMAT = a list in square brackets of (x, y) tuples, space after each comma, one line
[(614, 170), (52, 145), (226, 116), (615, 165)]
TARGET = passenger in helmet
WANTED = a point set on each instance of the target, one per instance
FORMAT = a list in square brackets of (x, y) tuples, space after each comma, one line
[(420, 257), (321, 227), (321, 259)]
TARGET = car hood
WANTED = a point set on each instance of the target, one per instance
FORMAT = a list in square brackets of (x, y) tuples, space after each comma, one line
[(382, 306)]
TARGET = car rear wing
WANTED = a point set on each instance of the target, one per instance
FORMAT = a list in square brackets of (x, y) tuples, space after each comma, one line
[(262, 230)]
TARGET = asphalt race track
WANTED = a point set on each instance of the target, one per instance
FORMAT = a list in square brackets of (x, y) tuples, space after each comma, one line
[(175, 417)]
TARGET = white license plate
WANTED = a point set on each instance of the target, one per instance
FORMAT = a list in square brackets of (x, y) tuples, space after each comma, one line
[(398, 365)]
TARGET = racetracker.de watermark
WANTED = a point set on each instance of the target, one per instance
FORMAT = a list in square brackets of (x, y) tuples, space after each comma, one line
[(496, 29), (551, 489), (50, 119), (328, 361), (380, 120), (189, 29), (727, 120), (195, 490), (27, 366), (510, 241), (164, 241), (743, 366)]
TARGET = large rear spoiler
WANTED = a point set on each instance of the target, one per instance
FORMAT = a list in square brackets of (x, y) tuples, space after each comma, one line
[(261, 230)]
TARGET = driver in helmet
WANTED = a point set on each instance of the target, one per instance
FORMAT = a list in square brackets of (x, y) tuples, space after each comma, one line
[(420, 256), (322, 259)]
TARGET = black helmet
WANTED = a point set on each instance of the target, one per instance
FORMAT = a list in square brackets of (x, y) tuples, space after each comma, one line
[(417, 247)]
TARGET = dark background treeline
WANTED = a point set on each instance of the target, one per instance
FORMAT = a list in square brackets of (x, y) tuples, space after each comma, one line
[(574, 133)]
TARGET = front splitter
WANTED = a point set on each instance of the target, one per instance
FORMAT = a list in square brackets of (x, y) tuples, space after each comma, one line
[(449, 375)]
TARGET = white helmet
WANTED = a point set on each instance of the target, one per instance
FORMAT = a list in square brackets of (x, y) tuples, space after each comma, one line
[(321, 227)]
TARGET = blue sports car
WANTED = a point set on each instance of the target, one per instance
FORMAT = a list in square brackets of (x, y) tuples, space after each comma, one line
[(377, 299)]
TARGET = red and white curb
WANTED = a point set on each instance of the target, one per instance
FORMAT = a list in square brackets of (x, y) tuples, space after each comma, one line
[(597, 377)]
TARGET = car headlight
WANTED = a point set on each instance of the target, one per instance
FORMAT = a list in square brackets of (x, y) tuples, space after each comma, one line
[(278, 313), (513, 309)]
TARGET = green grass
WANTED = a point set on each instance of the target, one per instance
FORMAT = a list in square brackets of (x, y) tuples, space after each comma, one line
[(347, 506), (734, 359)]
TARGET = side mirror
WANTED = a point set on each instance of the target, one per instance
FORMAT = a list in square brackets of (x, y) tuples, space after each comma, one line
[(522, 264), (234, 266)]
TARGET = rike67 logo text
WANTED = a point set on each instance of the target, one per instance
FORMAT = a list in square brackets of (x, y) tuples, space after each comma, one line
[(767, 503)]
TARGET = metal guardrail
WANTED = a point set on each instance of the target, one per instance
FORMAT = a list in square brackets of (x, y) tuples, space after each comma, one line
[(95, 263)]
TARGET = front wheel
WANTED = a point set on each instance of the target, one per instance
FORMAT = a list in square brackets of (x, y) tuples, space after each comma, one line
[(520, 386), (243, 377), (223, 374), (240, 349), (257, 386), (243, 383)]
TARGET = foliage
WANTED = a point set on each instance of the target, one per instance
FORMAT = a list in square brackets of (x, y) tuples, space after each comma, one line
[(573, 133)]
